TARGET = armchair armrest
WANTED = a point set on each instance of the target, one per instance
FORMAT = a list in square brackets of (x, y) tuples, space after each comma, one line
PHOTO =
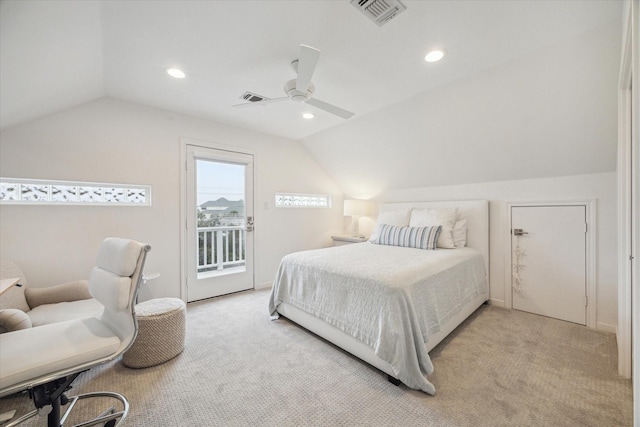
[(72, 291), (12, 319)]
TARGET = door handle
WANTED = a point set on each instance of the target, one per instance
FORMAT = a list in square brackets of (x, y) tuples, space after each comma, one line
[(249, 223), (519, 232)]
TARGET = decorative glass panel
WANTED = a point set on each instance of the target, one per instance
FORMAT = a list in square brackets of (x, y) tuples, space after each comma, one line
[(34, 192), (115, 195), (9, 191), (90, 194), (284, 200), (64, 193), (135, 195)]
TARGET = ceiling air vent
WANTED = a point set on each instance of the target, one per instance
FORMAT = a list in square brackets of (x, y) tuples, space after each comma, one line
[(252, 97), (379, 11)]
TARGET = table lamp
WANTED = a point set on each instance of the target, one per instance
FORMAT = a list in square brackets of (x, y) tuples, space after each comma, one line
[(355, 209)]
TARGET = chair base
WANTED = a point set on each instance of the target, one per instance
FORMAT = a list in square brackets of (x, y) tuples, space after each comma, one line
[(48, 399), (109, 418)]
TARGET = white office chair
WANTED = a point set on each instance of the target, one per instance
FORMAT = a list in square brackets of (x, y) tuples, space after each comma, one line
[(47, 359)]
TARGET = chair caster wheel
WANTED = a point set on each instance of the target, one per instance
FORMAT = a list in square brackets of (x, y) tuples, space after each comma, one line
[(111, 423)]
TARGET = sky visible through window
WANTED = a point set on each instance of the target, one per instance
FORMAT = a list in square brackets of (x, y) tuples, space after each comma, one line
[(217, 179)]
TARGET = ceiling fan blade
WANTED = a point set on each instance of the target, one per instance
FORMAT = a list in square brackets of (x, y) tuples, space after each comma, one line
[(330, 108), (306, 65), (263, 102)]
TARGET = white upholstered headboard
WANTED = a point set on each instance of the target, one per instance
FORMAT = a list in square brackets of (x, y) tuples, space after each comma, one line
[(475, 211)]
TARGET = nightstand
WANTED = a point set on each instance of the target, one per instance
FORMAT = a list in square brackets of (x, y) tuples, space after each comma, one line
[(347, 240)]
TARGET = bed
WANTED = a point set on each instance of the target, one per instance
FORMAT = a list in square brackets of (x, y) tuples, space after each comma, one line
[(387, 304)]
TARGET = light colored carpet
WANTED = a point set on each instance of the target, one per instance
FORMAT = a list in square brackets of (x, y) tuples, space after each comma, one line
[(500, 368)]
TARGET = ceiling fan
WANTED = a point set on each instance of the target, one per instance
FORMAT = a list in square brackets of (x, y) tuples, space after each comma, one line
[(300, 89)]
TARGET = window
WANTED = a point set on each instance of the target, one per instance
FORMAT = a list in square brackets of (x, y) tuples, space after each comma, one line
[(32, 191), (288, 200)]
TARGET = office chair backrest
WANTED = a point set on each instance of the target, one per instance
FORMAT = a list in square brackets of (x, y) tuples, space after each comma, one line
[(114, 281)]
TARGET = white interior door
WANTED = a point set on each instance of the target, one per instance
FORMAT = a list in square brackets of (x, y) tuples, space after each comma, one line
[(548, 257), (219, 223)]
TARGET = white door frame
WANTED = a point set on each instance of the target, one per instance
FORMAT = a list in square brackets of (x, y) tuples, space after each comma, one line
[(591, 273), (628, 230), (183, 202)]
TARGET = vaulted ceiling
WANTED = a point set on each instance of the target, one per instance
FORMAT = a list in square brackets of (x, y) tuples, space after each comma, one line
[(58, 54)]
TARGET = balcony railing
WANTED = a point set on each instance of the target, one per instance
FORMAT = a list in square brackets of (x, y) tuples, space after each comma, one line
[(220, 248)]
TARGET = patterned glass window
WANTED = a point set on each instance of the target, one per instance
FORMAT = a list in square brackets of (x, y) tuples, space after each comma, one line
[(288, 200), (32, 191)]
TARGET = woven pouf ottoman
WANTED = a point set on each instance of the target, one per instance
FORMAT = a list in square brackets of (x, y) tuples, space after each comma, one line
[(161, 329)]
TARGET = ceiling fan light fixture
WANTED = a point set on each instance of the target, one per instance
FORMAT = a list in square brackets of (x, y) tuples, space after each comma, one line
[(176, 73), (294, 94), (308, 116), (434, 55), (301, 88)]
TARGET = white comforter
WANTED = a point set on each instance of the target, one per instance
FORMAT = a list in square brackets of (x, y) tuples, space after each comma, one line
[(390, 298)]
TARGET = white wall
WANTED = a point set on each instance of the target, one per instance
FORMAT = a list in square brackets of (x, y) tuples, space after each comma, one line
[(601, 187), (118, 142)]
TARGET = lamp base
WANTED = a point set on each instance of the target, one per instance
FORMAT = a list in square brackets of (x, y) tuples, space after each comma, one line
[(355, 226)]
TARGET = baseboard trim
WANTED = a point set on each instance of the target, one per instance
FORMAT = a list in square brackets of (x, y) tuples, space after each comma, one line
[(496, 302), (263, 285), (607, 328)]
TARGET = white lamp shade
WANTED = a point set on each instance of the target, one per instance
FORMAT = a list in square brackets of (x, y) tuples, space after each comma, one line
[(357, 207)]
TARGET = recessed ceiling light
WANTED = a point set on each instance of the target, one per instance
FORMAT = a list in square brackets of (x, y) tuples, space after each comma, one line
[(434, 56), (308, 115), (176, 73)]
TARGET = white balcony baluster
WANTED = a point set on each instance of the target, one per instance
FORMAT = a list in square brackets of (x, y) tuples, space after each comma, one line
[(220, 248)]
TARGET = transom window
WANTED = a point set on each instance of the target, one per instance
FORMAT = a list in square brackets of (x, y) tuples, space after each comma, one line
[(289, 200), (38, 191)]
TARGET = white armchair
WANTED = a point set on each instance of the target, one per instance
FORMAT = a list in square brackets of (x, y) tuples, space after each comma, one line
[(47, 359), (22, 307)]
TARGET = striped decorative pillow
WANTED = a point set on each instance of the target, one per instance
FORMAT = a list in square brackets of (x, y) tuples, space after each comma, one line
[(409, 237)]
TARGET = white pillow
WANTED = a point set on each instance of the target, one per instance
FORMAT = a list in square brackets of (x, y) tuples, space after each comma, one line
[(446, 217), (460, 233), (399, 217)]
